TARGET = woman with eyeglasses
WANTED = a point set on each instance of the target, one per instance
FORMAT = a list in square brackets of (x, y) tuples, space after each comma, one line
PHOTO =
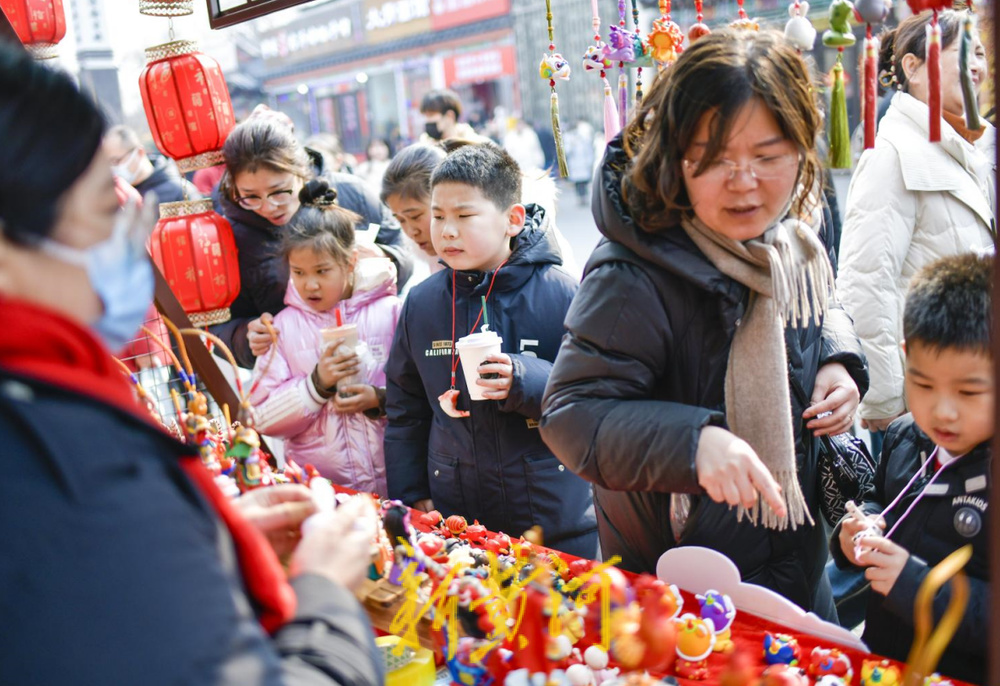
[(266, 167), (705, 325), (912, 201)]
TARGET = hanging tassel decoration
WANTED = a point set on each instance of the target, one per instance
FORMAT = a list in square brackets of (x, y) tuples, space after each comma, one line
[(934, 78), (642, 56), (839, 36), (840, 133), (552, 67), (666, 39), (698, 29), (596, 59), (622, 49), (873, 13), (972, 120)]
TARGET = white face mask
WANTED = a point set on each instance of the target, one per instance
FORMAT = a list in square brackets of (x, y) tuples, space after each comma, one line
[(123, 170), (120, 272)]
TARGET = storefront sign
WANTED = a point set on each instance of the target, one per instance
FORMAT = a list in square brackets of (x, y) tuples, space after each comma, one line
[(481, 65), (313, 36), (448, 13), (389, 19)]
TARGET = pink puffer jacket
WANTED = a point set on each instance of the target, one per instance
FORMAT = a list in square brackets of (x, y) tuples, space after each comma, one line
[(346, 448)]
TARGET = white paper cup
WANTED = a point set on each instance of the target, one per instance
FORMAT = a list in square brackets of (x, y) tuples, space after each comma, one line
[(473, 351), (345, 336)]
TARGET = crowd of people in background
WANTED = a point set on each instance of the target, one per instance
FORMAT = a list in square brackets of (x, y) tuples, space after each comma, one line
[(679, 395)]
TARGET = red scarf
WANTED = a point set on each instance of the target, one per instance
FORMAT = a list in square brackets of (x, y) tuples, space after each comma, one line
[(44, 345)]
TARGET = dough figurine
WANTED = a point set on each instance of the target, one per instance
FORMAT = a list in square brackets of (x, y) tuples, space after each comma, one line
[(695, 640), (781, 649), (718, 609)]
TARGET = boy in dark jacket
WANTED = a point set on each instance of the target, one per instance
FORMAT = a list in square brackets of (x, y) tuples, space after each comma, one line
[(484, 459), (932, 485)]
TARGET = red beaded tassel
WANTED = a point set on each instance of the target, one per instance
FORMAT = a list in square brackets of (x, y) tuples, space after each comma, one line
[(934, 78), (871, 87)]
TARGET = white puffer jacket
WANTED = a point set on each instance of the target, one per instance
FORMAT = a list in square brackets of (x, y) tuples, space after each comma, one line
[(910, 202)]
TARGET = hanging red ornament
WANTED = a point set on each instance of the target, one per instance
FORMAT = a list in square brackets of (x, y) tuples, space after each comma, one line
[(187, 104), (873, 13), (195, 250), (743, 21), (699, 29), (39, 24), (933, 61)]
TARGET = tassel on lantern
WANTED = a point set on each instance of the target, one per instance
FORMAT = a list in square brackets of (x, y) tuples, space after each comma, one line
[(871, 88), (622, 99), (557, 134), (934, 78), (972, 120), (840, 133)]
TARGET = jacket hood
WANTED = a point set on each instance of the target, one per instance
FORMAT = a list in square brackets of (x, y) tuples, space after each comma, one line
[(374, 278), (536, 244), (671, 250)]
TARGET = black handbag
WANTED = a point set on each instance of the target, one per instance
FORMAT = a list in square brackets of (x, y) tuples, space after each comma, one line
[(846, 468)]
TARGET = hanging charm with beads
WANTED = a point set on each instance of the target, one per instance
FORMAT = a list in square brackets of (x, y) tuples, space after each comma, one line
[(799, 31), (743, 21), (666, 39), (552, 67), (839, 36), (622, 49), (699, 28), (596, 59)]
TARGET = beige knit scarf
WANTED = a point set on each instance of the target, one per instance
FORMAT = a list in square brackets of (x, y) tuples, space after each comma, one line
[(789, 275)]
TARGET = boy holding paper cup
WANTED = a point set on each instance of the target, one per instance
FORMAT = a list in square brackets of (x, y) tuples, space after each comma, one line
[(467, 443)]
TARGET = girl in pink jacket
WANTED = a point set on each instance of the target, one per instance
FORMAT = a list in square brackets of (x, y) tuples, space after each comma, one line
[(302, 390)]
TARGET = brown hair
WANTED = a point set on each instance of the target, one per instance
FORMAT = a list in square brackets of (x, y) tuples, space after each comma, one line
[(409, 173), (717, 75), (321, 224), (258, 143), (910, 37), (442, 101)]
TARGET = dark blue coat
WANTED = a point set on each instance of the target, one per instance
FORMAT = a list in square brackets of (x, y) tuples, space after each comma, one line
[(115, 569), (264, 272), (492, 466)]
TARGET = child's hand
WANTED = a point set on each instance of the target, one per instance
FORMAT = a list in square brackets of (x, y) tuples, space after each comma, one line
[(834, 392), (885, 560), (502, 366), (334, 366), (360, 397), (258, 336), (730, 471), (850, 527)]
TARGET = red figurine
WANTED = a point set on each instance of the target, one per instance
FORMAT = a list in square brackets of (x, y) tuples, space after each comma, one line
[(455, 525)]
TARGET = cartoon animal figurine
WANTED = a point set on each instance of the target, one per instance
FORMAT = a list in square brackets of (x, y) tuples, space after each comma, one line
[(783, 675), (475, 534), (799, 31), (695, 640), (666, 41), (554, 66), (252, 470), (596, 58), (402, 538), (781, 649), (936, 679), (880, 673), (872, 11), (643, 632), (823, 661), (740, 670), (839, 34), (597, 660), (621, 47), (455, 525), (718, 609)]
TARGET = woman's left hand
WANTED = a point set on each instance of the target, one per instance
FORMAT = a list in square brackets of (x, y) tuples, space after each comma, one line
[(834, 392)]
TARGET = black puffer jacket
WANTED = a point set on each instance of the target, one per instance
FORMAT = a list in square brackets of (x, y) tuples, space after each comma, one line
[(641, 372), (264, 273), (953, 513), (167, 183)]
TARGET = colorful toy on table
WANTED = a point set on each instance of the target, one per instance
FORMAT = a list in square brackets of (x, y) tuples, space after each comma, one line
[(597, 661), (695, 640), (405, 666), (880, 673), (740, 670), (781, 649), (718, 609), (402, 537), (799, 31), (831, 680), (829, 661), (497, 543), (784, 675), (936, 679), (455, 525), (643, 632)]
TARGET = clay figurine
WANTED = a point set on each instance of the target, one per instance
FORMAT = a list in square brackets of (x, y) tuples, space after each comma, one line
[(554, 66), (718, 608), (839, 34), (880, 673), (823, 661), (799, 31), (695, 640), (781, 649)]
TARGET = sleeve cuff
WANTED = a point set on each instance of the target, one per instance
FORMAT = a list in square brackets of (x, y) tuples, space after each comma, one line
[(311, 397)]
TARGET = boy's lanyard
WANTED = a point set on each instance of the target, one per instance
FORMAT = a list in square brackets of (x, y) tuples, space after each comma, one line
[(454, 295), (945, 463)]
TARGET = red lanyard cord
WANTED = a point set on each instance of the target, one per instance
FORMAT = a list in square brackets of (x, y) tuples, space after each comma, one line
[(454, 364)]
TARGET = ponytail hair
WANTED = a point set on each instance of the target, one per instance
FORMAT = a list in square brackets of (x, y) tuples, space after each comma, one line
[(910, 38), (321, 224)]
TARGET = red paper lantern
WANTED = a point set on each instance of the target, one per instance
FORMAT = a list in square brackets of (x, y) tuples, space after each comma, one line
[(195, 250), (39, 24), (187, 104)]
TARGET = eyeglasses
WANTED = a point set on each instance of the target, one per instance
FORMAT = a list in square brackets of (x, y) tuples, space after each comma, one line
[(275, 199), (760, 168)]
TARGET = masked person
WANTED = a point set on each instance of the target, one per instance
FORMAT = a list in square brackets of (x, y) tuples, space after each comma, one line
[(123, 539), (441, 110), (131, 164)]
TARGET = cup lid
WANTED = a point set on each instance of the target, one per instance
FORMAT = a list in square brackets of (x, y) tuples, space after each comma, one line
[(480, 338)]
